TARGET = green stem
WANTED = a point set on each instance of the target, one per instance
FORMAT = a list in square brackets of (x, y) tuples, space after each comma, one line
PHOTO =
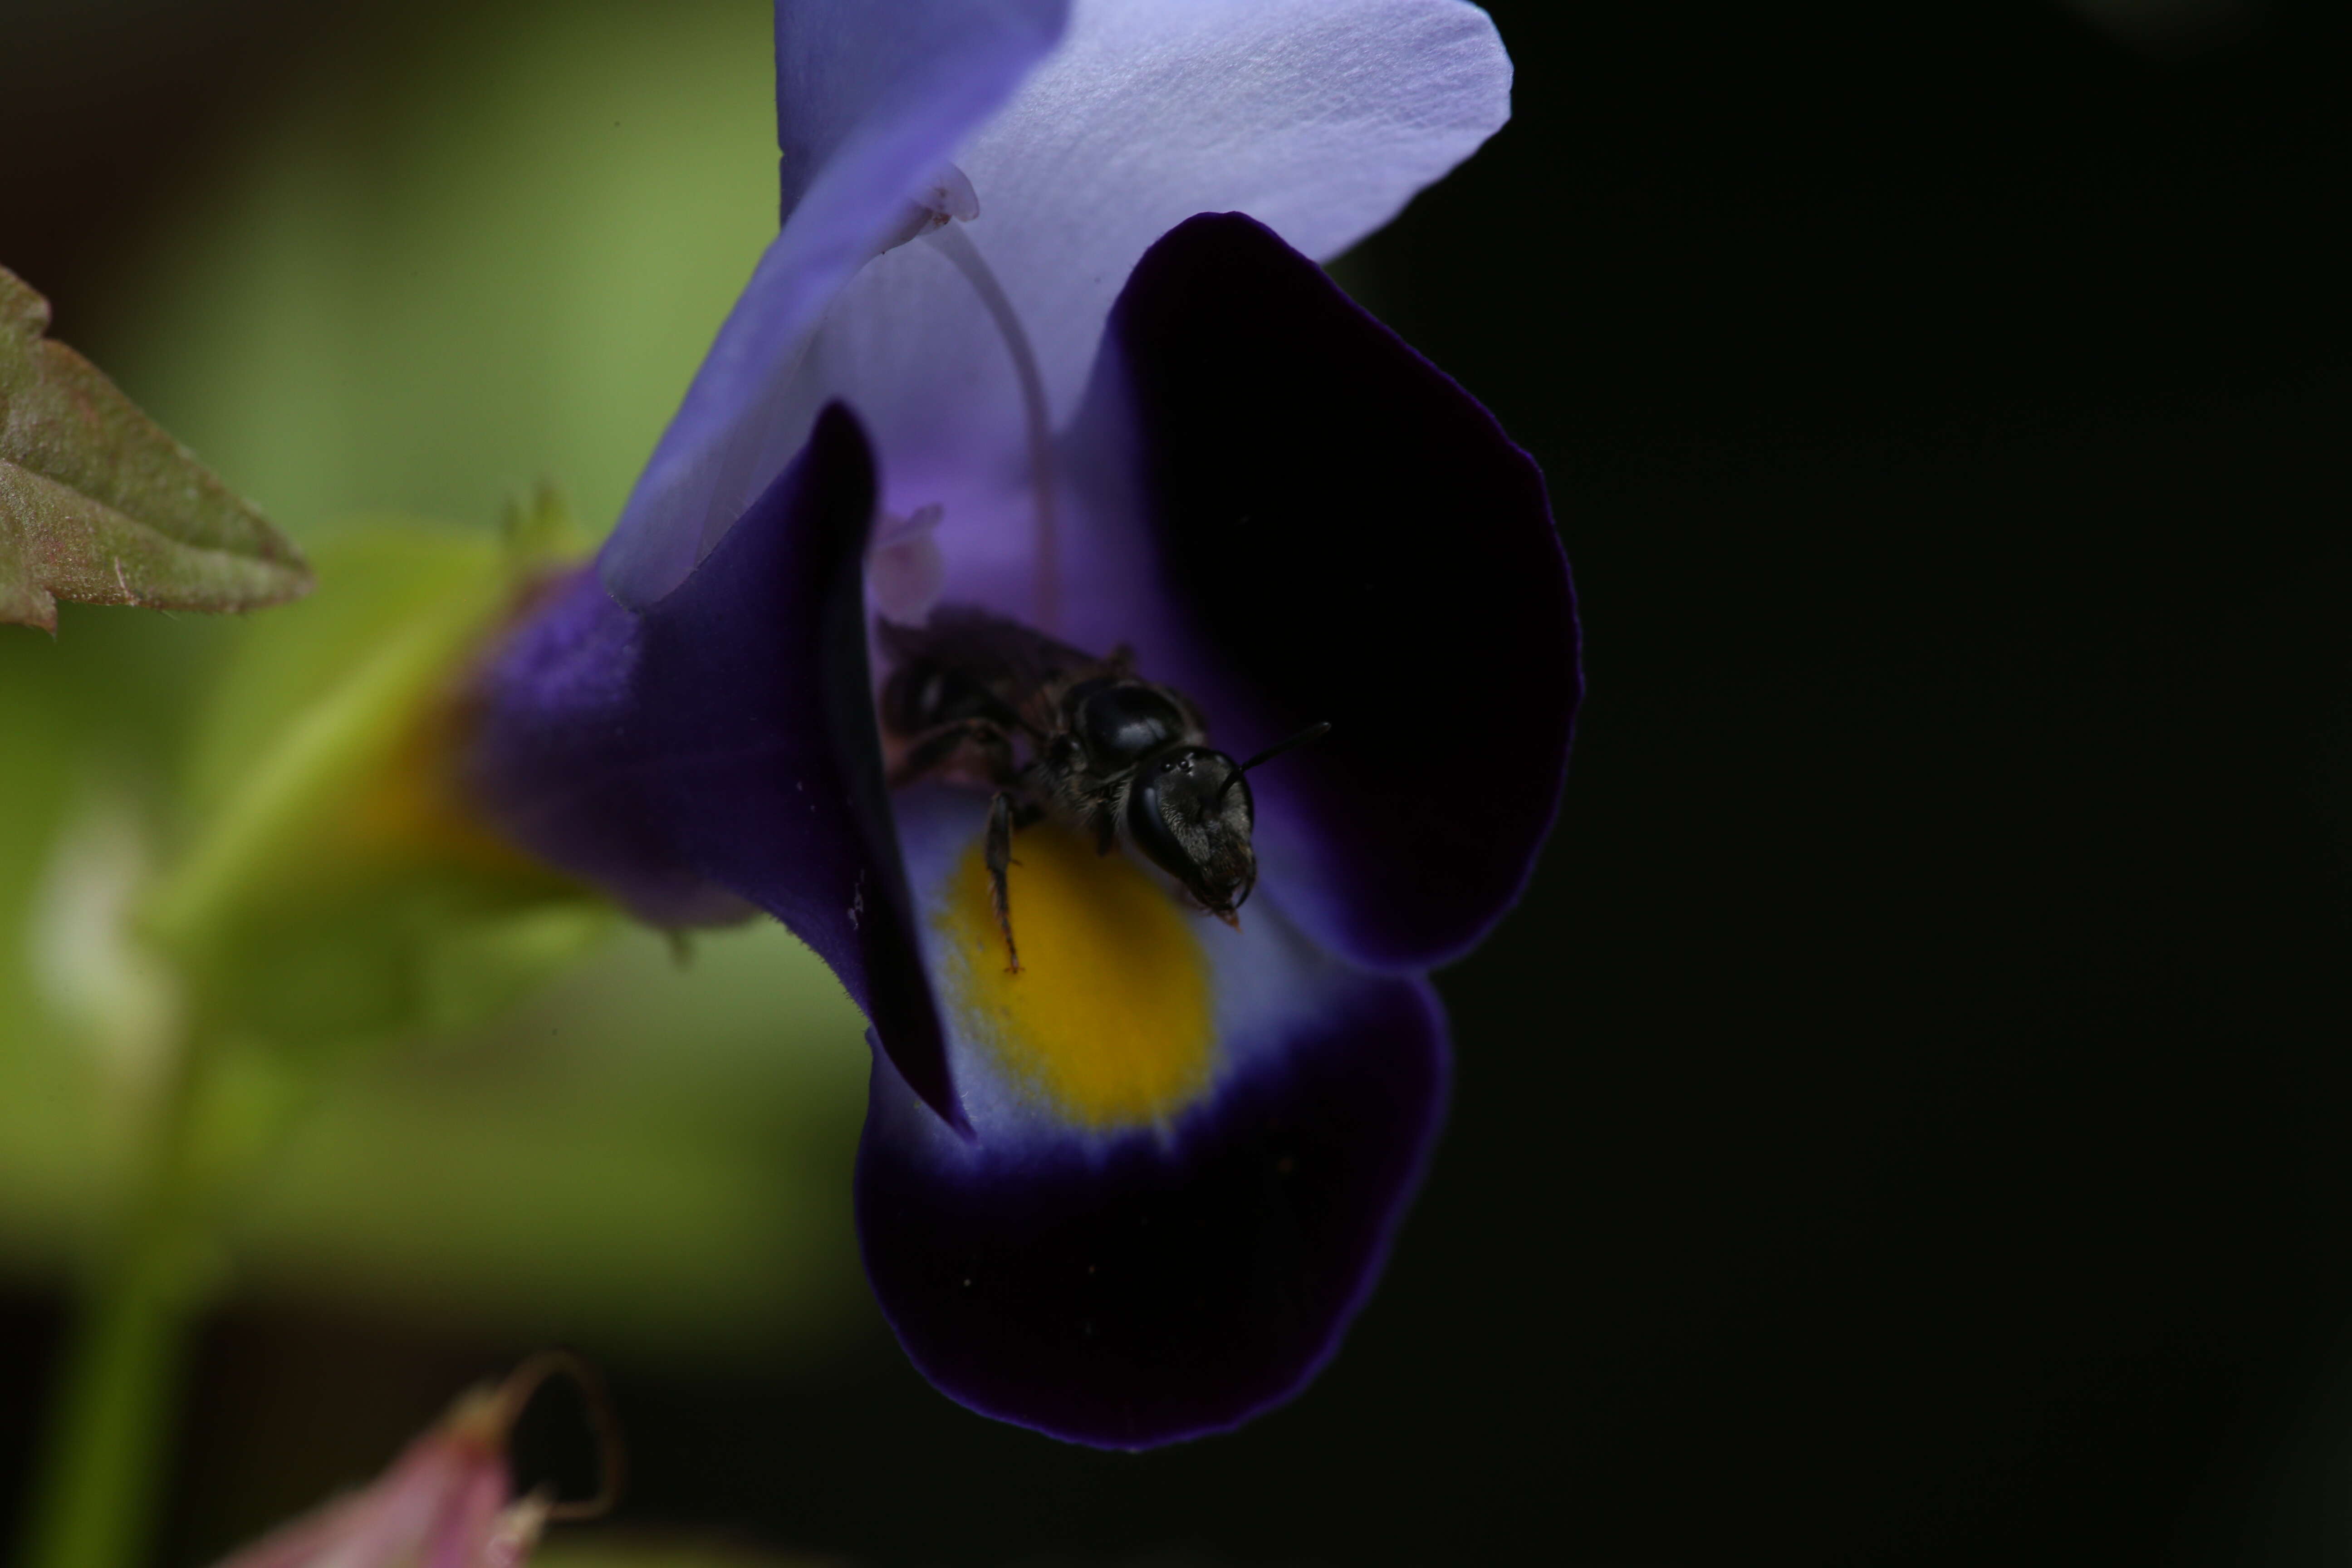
[(117, 1399)]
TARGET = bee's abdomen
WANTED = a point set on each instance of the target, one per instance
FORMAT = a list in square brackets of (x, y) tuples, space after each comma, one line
[(926, 692)]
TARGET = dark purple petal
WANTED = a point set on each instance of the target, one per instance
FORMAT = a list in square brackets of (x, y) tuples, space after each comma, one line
[(1163, 1286), (722, 745), (559, 762), (1351, 537)]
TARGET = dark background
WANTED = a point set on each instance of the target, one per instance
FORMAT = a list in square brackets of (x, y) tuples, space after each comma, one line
[(1905, 1122)]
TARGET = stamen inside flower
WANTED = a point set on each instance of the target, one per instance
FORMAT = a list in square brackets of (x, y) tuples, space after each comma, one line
[(957, 246), (947, 197), (1109, 1019)]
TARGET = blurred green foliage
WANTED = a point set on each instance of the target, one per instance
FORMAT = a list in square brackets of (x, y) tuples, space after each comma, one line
[(328, 884), (425, 281), (461, 260)]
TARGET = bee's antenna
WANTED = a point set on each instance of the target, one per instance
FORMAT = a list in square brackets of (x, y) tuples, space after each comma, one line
[(1314, 731)]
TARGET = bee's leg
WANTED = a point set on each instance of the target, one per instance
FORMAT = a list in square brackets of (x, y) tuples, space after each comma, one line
[(1102, 815), (935, 751), (999, 856)]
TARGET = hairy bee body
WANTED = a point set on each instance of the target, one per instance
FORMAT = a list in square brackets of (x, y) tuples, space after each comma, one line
[(975, 698)]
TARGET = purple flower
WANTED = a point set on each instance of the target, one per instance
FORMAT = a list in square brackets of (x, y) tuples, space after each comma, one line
[(1133, 1191)]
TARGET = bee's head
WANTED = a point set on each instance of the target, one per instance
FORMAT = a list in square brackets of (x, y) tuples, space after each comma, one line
[(1190, 811)]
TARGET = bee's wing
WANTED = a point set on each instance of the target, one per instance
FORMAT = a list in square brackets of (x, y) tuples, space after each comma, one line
[(1016, 659)]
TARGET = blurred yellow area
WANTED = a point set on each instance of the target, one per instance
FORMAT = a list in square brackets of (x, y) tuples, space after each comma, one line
[(493, 257)]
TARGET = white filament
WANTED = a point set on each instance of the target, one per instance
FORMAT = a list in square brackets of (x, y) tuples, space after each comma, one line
[(957, 247)]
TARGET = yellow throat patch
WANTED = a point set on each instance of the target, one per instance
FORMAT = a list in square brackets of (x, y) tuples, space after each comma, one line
[(1109, 1019)]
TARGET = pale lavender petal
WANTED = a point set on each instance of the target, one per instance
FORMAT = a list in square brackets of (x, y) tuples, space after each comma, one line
[(1320, 118), (872, 98)]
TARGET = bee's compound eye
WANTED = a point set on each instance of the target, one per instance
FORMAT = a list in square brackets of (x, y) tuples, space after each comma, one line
[(1189, 813), (1147, 817)]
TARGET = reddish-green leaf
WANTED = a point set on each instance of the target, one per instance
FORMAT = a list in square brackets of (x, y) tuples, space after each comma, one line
[(100, 505)]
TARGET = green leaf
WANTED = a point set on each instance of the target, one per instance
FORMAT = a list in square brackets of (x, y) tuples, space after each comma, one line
[(98, 504)]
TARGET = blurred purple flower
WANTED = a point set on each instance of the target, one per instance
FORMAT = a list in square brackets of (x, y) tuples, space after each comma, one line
[(1133, 1193)]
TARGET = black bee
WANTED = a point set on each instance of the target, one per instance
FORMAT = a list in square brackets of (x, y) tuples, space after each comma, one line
[(974, 697)]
